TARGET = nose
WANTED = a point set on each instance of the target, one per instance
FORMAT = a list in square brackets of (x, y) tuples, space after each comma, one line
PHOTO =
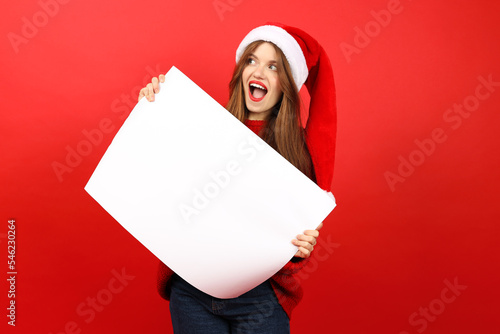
[(259, 72)]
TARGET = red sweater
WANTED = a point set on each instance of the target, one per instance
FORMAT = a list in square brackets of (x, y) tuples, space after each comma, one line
[(285, 283)]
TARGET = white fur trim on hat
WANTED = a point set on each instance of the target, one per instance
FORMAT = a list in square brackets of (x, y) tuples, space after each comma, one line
[(282, 39)]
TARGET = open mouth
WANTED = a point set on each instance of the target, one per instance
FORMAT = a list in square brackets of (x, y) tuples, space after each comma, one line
[(257, 91)]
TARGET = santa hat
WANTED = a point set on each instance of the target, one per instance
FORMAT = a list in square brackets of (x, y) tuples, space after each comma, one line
[(310, 65)]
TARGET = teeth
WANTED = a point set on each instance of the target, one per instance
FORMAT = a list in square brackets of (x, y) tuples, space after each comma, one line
[(257, 86)]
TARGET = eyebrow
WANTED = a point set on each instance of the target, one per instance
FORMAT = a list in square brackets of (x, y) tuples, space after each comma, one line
[(274, 62)]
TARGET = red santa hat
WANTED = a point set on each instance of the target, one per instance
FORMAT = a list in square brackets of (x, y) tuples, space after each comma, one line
[(310, 66)]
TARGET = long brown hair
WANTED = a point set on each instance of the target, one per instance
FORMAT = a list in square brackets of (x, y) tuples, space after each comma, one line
[(283, 130)]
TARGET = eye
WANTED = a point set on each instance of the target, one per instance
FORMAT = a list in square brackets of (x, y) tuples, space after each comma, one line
[(250, 61), (273, 67)]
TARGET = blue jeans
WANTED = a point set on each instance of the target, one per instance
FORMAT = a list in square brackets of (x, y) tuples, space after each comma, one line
[(256, 311)]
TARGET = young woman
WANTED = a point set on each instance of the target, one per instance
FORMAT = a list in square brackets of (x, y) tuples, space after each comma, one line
[(272, 63)]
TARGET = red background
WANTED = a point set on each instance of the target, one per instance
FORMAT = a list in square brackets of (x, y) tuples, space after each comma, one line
[(393, 247)]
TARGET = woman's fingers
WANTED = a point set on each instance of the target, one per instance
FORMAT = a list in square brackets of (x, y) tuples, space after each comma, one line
[(151, 88), (142, 93), (303, 252), (304, 248), (306, 242), (309, 235), (156, 85), (307, 239), (312, 233), (147, 92), (150, 94)]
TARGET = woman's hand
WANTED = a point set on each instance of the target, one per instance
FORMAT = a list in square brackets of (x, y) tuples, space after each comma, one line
[(306, 242), (151, 88)]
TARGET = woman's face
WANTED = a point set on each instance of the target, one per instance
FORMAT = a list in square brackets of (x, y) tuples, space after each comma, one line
[(261, 83)]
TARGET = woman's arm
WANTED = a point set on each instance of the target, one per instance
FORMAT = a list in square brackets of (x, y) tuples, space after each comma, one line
[(164, 280)]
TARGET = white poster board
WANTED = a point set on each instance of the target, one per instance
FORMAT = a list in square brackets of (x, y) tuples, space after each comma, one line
[(203, 193)]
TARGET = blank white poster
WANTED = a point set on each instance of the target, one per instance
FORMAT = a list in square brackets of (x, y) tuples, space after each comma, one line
[(203, 193)]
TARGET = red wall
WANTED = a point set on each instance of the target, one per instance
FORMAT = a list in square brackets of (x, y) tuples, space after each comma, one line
[(416, 177)]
